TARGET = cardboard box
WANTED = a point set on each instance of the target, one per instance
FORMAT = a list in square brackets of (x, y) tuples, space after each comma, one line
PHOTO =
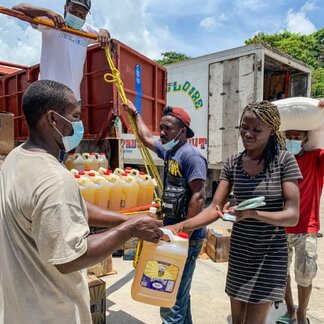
[(7, 141), (103, 268), (97, 289), (218, 242)]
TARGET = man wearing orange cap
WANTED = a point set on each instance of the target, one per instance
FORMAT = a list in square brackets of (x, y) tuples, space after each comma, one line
[(184, 191)]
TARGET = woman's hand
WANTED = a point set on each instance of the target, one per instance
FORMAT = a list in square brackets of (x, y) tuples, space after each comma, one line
[(176, 228), (240, 215)]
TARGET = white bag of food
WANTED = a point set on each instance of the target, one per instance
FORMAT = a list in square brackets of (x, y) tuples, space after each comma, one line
[(302, 113)]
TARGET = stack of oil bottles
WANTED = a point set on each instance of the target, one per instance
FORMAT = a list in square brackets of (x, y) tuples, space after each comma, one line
[(117, 190), (159, 267)]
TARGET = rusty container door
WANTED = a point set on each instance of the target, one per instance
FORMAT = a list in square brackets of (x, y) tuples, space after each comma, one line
[(144, 83), (12, 87)]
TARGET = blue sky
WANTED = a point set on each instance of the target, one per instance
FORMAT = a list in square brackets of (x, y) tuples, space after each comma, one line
[(193, 27)]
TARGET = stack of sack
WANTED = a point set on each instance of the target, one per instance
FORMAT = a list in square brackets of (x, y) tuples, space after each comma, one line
[(302, 113)]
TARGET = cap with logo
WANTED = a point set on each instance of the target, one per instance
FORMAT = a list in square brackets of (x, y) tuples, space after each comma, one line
[(180, 114), (84, 3)]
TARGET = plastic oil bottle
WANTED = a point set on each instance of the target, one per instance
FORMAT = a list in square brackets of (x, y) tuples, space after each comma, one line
[(141, 190), (102, 161), (69, 163), (90, 161), (148, 188), (129, 191), (86, 187), (78, 162), (159, 270), (115, 191), (101, 190), (119, 171)]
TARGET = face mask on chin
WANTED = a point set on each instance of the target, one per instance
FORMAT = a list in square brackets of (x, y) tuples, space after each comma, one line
[(172, 143), (74, 21), (293, 146), (71, 142)]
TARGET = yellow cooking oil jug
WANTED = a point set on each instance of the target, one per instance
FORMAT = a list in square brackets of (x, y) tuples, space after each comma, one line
[(69, 162), (119, 171), (86, 187), (102, 190), (102, 161), (78, 162), (115, 190), (159, 270), (129, 191), (148, 188)]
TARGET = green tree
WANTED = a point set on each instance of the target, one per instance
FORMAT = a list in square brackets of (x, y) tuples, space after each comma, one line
[(306, 48), (172, 57)]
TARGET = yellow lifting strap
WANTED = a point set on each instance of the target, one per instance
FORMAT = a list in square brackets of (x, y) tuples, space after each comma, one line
[(150, 167)]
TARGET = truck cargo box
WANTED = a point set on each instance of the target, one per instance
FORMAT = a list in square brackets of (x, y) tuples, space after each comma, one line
[(215, 88), (144, 83)]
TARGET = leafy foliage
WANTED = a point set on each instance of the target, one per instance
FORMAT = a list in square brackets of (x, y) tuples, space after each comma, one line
[(172, 57), (306, 48)]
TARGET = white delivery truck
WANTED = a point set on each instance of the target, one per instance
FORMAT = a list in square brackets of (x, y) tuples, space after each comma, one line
[(215, 88)]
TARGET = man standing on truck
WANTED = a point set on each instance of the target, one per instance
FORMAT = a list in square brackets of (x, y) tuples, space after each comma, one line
[(45, 246), (302, 238), (185, 171), (63, 54)]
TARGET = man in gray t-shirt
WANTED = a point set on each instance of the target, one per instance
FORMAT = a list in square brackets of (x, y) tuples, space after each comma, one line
[(45, 246)]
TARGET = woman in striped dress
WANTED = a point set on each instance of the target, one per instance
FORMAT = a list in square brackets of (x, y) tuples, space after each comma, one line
[(258, 258)]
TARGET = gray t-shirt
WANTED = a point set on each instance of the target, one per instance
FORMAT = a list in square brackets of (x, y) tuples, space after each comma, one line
[(43, 222), (186, 162)]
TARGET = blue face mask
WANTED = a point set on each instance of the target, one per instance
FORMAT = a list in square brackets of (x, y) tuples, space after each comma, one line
[(71, 142), (74, 21), (171, 144), (293, 146)]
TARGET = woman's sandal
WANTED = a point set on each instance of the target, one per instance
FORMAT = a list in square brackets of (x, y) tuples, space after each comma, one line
[(286, 320)]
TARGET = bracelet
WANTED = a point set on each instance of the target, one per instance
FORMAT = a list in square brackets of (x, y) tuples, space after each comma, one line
[(135, 113)]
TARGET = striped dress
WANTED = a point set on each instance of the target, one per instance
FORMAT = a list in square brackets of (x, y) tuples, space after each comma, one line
[(258, 255)]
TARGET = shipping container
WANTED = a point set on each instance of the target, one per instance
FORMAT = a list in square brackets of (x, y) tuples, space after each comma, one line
[(144, 83)]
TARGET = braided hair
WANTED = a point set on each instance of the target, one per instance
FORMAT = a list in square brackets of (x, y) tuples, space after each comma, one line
[(269, 114)]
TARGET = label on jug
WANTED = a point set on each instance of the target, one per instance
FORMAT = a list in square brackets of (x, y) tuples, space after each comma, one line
[(159, 276)]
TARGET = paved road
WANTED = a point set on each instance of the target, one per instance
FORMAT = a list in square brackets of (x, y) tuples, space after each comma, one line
[(210, 304)]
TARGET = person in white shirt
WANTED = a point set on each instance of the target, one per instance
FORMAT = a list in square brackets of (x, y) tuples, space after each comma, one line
[(63, 54)]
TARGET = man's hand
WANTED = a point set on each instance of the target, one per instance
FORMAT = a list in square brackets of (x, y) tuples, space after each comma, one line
[(35, 12), (321, 104), (103, 38), (58, 20), (146, 228), (130, 107)]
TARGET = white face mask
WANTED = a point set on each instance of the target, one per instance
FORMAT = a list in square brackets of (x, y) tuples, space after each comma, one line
[(293, 146), (71, 142), (171, 144), (74, 21)]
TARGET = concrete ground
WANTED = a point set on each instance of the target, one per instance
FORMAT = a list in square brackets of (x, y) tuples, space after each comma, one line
[(210, 304)]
